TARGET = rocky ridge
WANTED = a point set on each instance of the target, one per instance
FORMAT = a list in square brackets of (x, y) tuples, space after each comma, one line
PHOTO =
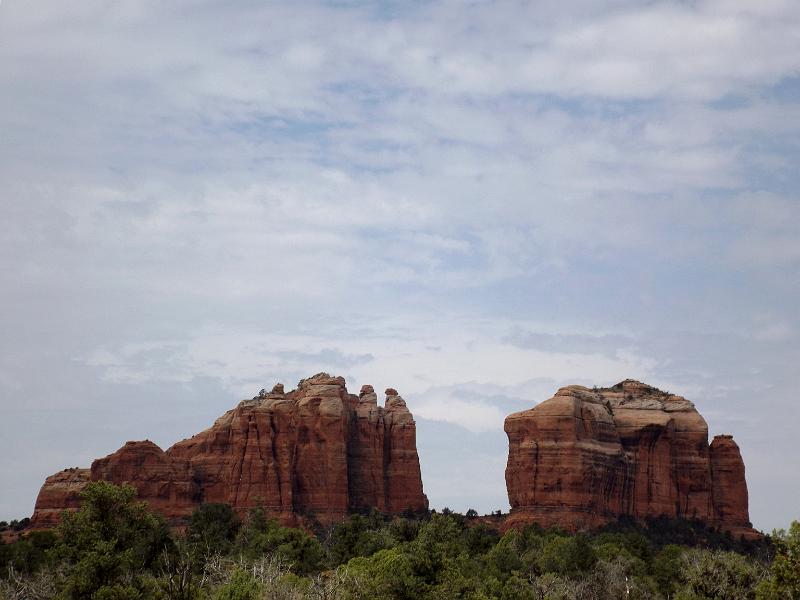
[(316, 451)]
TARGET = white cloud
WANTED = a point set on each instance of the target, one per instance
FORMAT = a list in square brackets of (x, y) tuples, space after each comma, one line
[(474, 416), (205, 194)]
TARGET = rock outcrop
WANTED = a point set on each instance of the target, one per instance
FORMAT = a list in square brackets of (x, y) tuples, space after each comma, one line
[(586, 457), (316, 451), (730, 488), (61, 491)]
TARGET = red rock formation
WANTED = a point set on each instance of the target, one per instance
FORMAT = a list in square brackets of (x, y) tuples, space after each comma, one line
[(59, 492), (165, 483), (588, 456), (730, 487), (403, 485), (316, 451)]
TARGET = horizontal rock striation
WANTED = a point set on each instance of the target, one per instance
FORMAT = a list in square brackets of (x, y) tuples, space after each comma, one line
[(586, 457), (61, 491), (316, 451)]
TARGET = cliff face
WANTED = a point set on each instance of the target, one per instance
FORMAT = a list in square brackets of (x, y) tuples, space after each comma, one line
[(316, 450), (60, 491), (588, 456), (730, 487)]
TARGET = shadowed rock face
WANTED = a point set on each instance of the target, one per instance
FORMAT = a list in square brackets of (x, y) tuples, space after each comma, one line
[(316, 450), (588, 456)]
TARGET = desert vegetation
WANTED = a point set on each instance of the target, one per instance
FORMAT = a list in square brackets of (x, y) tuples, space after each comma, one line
[(114, 548)]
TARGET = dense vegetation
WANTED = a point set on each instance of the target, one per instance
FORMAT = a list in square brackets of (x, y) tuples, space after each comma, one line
[(114, 548)]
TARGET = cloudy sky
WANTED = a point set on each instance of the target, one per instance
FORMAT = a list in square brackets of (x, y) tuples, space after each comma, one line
[(473, 202)]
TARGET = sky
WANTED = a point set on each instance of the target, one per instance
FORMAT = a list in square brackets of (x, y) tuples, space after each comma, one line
[(473, 202)]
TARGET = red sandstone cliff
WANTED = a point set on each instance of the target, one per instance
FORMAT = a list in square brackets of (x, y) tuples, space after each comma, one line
[(730, 487), (316, 451), (60, 491), (588, 456)]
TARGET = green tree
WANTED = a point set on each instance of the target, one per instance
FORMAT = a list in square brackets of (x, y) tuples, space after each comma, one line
[(358, 536), (390, 574), (438, 540), (504, 559), (260, 537), (108, 544), (435, 565), (463, 577), (404, 529), (784, 576), (27, 554), (479, 539), (213, 527), (666, 569), (566, 555), (719, 575), (240, 587)]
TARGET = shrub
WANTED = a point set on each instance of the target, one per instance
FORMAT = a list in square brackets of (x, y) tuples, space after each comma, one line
[(261, 537), (240, 587), (213, 527), (719, 575), (784, 577), (108, 544)]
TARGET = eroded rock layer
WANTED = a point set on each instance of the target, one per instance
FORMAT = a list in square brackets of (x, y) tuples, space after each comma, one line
[(316, 451), (60, 491), (589, 456)]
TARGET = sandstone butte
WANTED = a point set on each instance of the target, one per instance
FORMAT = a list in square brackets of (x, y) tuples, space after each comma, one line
[(586, 457), (315, 451)]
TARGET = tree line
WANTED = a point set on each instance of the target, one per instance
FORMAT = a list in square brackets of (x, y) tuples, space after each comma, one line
[(115, 548)]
